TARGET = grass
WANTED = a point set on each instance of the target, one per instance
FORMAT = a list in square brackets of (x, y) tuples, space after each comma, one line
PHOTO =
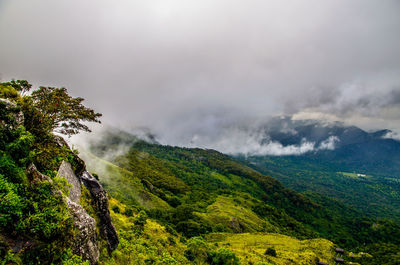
[(234, 214), (251, 247), (151, 245)]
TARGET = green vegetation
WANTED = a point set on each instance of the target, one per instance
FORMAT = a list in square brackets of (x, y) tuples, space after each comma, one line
[(174, 205), (142, 240), (223, 195), (33, 216), (372, 221), (380, 192), (261, 248)]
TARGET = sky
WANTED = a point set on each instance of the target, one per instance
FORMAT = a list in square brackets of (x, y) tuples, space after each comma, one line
[(199, 71)]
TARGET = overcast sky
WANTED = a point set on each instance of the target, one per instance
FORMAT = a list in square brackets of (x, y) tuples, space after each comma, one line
[(186, 68)]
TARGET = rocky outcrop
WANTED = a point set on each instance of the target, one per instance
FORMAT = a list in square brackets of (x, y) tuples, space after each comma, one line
[(66, 171), (86, 243), (99, 195)]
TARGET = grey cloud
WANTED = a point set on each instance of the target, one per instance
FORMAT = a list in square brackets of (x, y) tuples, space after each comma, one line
[(187, 68), (394, 97)]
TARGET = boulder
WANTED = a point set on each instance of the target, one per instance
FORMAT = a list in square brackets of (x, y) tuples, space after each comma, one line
[(66, 172), (85, 243)]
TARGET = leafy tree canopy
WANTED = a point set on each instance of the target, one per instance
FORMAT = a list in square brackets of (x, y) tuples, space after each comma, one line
[(52, 109)]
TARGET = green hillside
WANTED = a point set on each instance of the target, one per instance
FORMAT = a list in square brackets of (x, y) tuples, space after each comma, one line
[(380, 192), (214, 193)]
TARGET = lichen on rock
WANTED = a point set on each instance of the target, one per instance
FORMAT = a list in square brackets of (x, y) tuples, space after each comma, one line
[(85, 243), (66, 172)]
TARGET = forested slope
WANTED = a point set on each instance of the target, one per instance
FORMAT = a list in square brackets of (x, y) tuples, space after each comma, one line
[(209, 192)]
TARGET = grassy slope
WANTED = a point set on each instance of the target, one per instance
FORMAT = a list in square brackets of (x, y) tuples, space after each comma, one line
[(156, 245), (152, 245), (251, 247), (235, 215)]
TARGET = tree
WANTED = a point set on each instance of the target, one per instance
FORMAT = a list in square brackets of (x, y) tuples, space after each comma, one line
[(49, 109), (22, 86), (197, 249), (65, 113)]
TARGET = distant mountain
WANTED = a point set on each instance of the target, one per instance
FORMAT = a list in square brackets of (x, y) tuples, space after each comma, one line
[(359, 168), (294, 132), (337, 145)]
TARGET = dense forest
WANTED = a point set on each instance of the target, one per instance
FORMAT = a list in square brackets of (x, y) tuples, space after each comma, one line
[(169, 205)]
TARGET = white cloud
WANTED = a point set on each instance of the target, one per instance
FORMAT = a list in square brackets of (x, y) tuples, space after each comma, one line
[(392, 135), (329, 144)]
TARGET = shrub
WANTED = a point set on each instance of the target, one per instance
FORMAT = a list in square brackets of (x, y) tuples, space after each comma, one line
[(11, 204), (116, 209), (270, 252), (128, 212), (197, 249), (223, 257)]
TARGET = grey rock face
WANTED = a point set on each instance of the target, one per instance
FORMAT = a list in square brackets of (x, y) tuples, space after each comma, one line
[(86, 243), (66, 171), (99, 195)]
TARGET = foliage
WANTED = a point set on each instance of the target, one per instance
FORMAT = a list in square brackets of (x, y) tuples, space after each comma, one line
[(65, 112), (153, 245), (223, 256), (70, 259), (31, 210), (304, 173), (197, 249), (11, 204), (21, 86), (384, 253)]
